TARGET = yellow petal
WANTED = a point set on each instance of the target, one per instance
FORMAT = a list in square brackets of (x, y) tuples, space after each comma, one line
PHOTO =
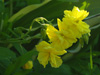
[(60, 25), (67, 23), (60, 52), (55, 61), (83, 27), (72, 27), (83, 15), (51, 32), (43, 58), (76, 14), (61, 45), (42, 46), (64, 41)]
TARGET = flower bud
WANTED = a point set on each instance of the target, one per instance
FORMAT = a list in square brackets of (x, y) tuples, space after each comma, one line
[(28, 65)]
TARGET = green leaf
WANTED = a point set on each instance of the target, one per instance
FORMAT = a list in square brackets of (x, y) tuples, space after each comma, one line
[(6, 53), (97, 60), (53, 10), (93, 20), (95, 34), (1, 6), (95, 27), (3, 65), (19, 48), (23, 72), (96, 70), (20, 61), (75, 49), (33, 1), (64, 69), (1, 14), (68, 0), (26, 10), (79, 66)]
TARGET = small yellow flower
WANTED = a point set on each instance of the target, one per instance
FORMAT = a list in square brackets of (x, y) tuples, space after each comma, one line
[(73, 22), (49, 53), (76, 14), (60, 39), (28, 65)]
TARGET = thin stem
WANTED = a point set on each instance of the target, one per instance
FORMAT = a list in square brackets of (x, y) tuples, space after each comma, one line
[(2, 22), (2, 17), (13, 32), (11, 7), (91, 61)]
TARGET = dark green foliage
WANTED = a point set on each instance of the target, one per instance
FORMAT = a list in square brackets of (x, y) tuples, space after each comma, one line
[(19, 33)]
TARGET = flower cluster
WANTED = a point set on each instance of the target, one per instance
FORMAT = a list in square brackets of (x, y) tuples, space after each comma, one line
[(70, 28)]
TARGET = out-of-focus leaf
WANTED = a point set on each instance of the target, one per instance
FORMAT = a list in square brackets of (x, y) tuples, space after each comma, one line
[(20, 61), (26, 10), (33, 1), (93, 20), (6, 53), (95, 34), (79, 66), (1, 14), (75, 49), (95, 27), (52, 10), (96, 70), (68, 0), (20, 48), (64, 69), (3, 65), (23, 72), (1, 6), (97, 61)]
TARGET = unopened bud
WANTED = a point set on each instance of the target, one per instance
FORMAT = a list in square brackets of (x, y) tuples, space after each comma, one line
[(28, 65)]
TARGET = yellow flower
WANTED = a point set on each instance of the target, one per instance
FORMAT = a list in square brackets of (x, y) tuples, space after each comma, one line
[(78, 28), (70, 28), (60, 39), (76, 14), (73, 22), (28, 65), (49, 53)]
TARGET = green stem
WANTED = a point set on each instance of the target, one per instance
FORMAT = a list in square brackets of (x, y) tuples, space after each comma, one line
[(2, 22), (91, 61), (13, 32), (2, 16), (11, 7)]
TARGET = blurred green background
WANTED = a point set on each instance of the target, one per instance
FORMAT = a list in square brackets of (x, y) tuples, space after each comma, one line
[(17, 46)]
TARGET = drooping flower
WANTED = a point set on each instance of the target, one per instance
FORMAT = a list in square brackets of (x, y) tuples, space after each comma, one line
[(48, 53), (70, 29), (28, 65), (60, 39)]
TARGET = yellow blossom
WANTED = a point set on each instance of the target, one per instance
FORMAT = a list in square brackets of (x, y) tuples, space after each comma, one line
[(60, 39), (28, 65), (70, 28), (49, 53), (76, 14), (73, 22)]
